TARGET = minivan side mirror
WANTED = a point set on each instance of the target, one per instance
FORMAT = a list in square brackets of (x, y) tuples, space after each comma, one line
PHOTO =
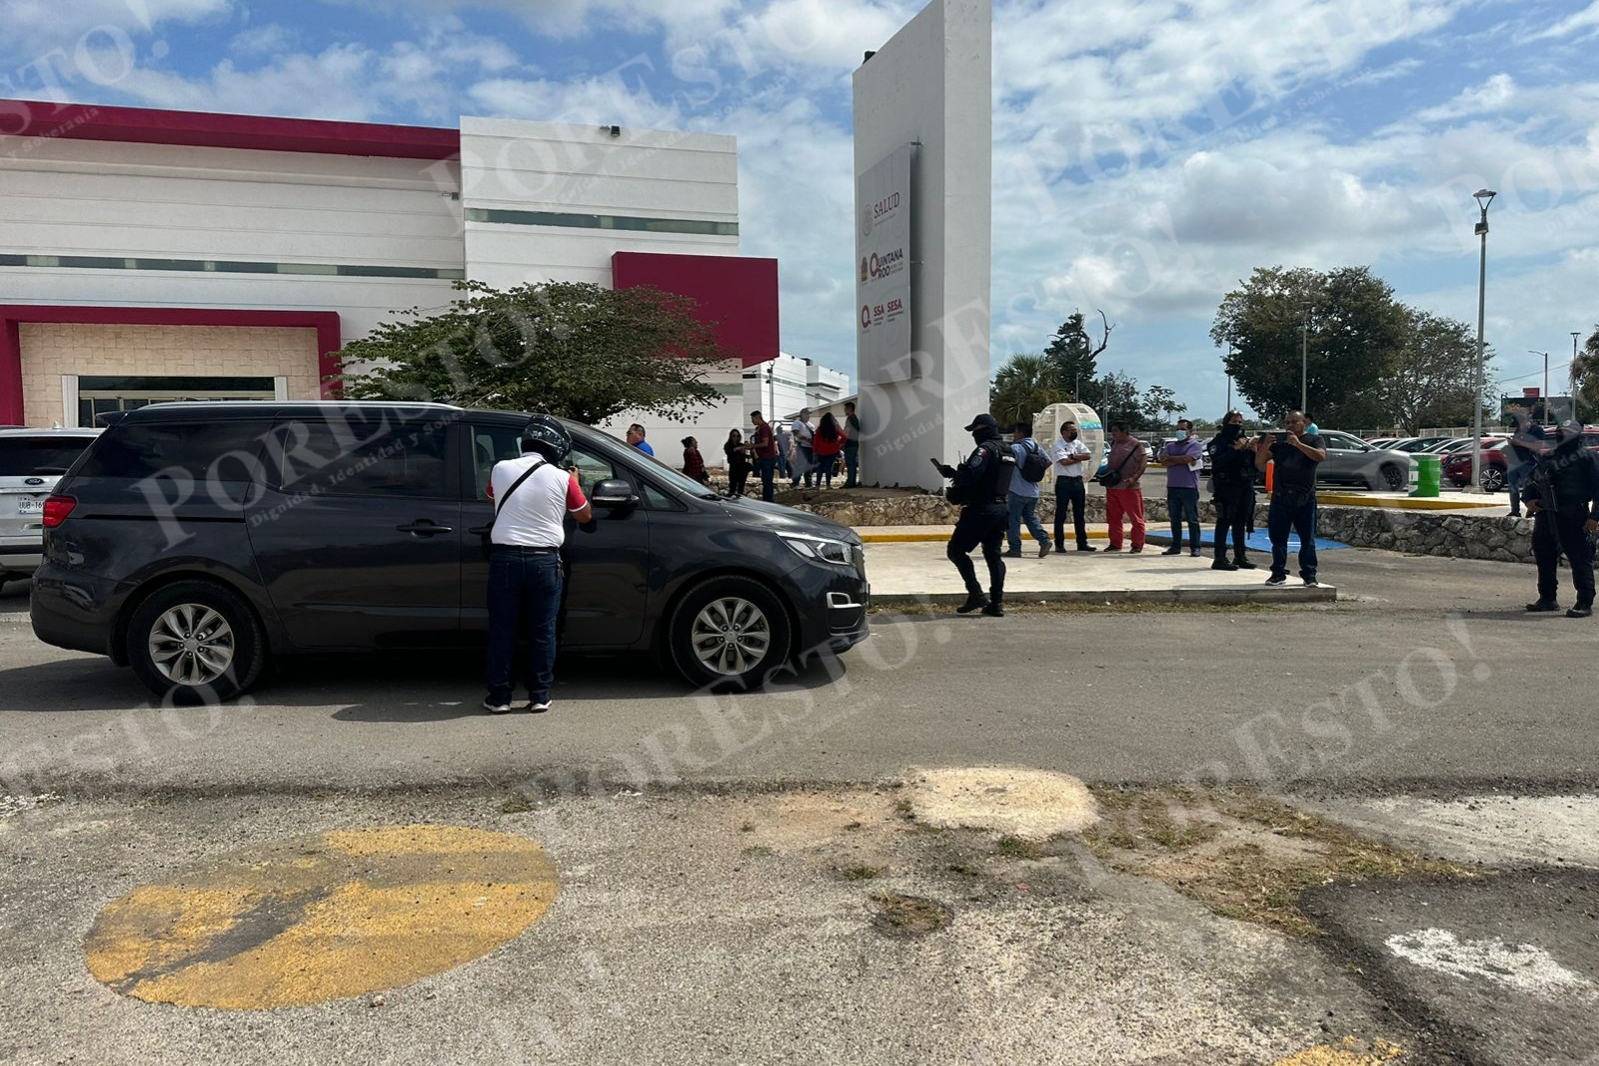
[(614, 492)]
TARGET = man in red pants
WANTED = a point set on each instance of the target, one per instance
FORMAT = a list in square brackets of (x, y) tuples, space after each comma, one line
[(1124, 495)]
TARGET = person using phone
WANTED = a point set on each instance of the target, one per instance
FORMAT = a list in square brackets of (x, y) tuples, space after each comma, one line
[(1296, 454), (1232, 477), (981, 485)]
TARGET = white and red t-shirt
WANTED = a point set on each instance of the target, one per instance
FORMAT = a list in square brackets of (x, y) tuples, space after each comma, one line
[(533, 516)]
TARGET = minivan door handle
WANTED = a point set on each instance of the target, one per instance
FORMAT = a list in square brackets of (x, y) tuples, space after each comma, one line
[(424, 528)]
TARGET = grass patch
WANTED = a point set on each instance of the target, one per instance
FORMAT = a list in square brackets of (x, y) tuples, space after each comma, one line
[(908, 916), (905, 810), (1240, 854), (758, 851), (861, 873), (965, 869), (1017, 848), (517, 804)]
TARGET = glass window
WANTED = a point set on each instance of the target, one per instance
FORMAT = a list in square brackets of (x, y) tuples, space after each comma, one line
[(141, 451), (591, 469), (364, 456), (490, 445), (39, 456)]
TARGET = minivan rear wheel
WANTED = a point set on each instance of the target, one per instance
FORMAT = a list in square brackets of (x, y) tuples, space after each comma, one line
[(195, 641), (729, 633)]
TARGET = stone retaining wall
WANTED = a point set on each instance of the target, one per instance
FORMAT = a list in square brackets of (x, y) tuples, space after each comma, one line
[(1463, 536)]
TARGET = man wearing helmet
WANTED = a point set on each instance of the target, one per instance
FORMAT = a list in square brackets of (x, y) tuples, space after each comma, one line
[(533, 496), (1562, 495)]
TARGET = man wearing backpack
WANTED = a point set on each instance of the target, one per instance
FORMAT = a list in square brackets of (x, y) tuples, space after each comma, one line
[(1022, 499)]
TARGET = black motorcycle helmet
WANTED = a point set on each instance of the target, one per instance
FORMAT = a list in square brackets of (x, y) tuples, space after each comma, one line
[(548, 437)]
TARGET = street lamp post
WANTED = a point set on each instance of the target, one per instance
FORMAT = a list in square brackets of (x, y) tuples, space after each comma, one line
[(1534, 351), (1304, 363), (1484, 197), (1574, 337)]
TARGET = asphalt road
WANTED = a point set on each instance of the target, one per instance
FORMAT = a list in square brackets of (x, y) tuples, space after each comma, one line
[(1382, 691), (721, 860)]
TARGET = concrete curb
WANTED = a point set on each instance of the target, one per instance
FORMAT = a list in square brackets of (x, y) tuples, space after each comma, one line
[(1213, 597)]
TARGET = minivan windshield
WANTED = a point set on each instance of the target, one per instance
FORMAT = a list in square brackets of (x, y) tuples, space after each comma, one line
[(659, 470), (39, 456)]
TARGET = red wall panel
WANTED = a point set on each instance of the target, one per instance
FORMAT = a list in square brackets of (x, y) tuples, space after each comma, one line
[(738, 292)]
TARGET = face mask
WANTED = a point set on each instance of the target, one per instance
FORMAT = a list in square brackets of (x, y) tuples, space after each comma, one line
[(1184, 435)]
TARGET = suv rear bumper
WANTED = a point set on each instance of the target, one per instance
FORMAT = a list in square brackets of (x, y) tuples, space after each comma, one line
[(20, 558), (76, 611)]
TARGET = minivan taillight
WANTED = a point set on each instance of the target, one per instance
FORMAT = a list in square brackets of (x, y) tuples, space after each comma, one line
[(56, 509)]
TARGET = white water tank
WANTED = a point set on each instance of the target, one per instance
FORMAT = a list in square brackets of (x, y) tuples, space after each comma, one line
[(1047, 423)]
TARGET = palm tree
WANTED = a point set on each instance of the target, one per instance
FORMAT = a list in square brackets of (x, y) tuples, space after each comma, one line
[(1024, 386)]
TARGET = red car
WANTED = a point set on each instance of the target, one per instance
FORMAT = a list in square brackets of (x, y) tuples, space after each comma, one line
[(1496, 460)]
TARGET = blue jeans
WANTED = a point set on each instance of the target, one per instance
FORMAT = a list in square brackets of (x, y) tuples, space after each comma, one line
[(852, 466), (1024, 509), (1182, 504), (767, 468), (1516, 480), (1300, 517), (522, 583)]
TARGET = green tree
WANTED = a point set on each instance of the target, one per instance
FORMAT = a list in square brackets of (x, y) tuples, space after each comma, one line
[(1074, 355), (1161, 405), (1432, 376), (1348, 323), (1120, 401), (1586, 371), (571, 349), (1024, 386)]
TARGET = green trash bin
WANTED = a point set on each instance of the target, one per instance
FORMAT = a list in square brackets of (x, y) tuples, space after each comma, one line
[(1429, 475)]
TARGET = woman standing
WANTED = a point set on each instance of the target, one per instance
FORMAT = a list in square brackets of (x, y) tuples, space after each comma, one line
[(693, 462), (826, 444), (738, 462)]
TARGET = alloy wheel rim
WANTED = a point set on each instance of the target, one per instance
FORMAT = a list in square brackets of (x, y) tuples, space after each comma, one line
[(730, 636), (192, 644)]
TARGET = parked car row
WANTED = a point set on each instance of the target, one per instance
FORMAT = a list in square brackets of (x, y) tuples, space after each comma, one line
[(1496, 460)]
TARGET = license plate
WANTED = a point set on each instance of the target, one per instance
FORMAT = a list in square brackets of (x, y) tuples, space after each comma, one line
[(30, 505)]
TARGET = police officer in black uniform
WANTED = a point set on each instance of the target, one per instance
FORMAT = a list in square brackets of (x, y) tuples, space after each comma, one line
[(981, 483), (1562, 495)]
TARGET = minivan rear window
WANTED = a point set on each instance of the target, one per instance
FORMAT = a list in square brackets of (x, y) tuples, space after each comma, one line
[(39, 456), (144, 449)]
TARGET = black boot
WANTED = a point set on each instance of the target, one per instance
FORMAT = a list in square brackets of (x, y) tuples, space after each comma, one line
[(1221, 563), (1543, 606), (975, 601), (1241, 562), (1580, 610), (995, 608)]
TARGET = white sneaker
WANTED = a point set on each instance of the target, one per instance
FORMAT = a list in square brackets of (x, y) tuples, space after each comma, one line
[(538, 708), (495, 708)]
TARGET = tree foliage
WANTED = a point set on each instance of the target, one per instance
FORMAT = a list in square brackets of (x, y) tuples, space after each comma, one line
[(571, 349), (1074, 355), (1586, 371), (1161, 406), (1367, 359), (1025, 385), (1432, 376)]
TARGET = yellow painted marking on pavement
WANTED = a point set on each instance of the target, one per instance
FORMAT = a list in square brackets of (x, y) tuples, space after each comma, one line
[(1350, 1053), (321, 917)]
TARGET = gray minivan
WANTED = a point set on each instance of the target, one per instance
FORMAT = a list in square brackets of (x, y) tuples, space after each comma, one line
[(31, 462)]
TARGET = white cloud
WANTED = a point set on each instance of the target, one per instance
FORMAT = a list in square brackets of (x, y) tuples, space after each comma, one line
[(1495, 94), (1573, 25)]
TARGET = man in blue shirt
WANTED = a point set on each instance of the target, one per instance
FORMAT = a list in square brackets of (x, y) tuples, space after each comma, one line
[(635, 437), (1022, 499), (1181, 460)]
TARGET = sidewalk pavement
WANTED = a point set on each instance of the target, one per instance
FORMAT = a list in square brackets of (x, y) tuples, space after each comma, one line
[(906, 564)]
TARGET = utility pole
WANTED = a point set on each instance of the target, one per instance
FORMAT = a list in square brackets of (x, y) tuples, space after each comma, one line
[(1304, 363), (1484, 197), (1574, 337)]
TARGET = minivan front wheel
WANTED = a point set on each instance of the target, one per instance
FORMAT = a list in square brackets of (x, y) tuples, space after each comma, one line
[(194, 642), (729, 633)]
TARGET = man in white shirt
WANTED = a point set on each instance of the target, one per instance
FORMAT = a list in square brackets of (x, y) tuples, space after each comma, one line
[(1069, 454), (533, 497), (804, 433)]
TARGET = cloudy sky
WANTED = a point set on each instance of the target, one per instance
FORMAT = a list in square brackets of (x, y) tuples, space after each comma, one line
[(1147, 154)]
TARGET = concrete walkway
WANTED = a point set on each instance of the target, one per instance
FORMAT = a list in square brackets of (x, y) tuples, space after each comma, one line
[(905, 571)]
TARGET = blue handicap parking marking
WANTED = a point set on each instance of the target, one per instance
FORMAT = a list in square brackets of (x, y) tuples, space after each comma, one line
[(1256, 541)]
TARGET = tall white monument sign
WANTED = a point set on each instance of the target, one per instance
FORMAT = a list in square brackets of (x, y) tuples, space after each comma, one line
[(883, 282)]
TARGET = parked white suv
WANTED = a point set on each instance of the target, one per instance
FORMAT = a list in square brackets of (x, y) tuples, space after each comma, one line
[(31, 462)]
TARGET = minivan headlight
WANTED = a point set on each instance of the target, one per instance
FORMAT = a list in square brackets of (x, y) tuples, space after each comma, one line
[(819, 548)]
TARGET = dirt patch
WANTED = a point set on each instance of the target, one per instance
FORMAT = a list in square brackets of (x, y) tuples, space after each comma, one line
[(833, 496), (1242, 855), (1028, 805), (1350, 1052), (908, 916)]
